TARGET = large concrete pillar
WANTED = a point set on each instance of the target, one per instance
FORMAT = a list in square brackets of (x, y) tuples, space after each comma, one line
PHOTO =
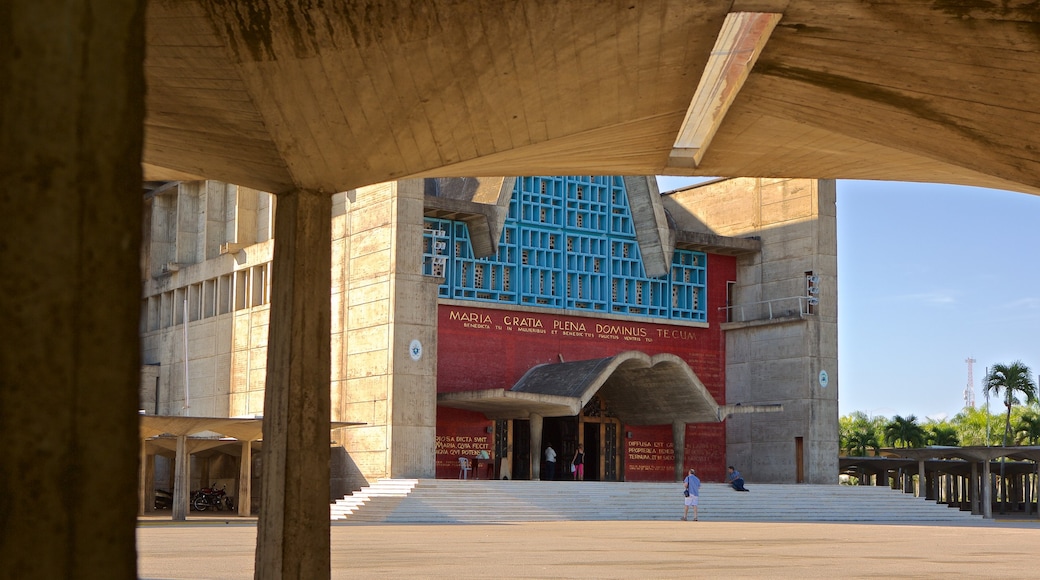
[(536, 447), (293, 532), (181, 467), (71, 119), (679, 443)]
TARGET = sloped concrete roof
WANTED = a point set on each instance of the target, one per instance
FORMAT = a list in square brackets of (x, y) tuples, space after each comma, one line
[(639, 389)]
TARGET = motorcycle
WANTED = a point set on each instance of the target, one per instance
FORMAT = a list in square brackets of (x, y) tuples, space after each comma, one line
[(211, 497), (163, 499)]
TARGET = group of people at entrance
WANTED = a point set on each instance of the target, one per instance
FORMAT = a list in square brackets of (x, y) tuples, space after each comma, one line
[(577, 463)]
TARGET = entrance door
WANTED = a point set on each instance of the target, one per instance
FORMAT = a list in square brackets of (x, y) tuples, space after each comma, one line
[(592, 452), (560, 431), (521, 449), (799, 461)]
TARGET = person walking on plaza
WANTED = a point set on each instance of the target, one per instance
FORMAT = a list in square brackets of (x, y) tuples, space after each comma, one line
[(692, 493), (735, 479), (550, 462), (579, 464)]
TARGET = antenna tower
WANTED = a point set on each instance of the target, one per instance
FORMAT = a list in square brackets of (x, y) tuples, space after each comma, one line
[(969, 391)]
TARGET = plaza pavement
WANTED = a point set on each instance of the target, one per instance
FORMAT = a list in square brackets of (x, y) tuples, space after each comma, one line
[(217, 548)]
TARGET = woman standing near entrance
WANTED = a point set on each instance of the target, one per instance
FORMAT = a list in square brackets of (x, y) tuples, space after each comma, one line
[(579, 464)]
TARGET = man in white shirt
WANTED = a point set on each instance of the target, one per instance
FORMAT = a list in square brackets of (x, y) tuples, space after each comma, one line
[(550, 462)]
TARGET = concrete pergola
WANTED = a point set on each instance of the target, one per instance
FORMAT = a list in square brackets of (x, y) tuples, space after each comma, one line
[(305, 99), (977, 456)]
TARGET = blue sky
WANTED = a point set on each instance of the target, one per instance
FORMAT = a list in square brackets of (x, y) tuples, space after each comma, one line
[(928, 276)]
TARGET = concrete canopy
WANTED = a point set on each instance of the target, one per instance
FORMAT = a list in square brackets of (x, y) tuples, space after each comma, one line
[(639, 389), (243, 429), (284, 94)]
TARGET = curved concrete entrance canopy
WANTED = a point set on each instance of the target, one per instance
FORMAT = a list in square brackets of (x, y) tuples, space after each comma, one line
[(640, 390), (294, 95)]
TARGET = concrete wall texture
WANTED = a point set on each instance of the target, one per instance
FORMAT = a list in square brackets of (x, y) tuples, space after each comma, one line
[(775, 351)]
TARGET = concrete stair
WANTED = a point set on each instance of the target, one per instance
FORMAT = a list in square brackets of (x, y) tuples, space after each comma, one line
[(482, 501)]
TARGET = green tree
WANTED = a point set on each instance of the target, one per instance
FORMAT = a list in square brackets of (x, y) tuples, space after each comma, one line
[(858, 433), (941, 433), (1027, 429), (863, 440), (1012, 380), (905, 431), (971, 425)]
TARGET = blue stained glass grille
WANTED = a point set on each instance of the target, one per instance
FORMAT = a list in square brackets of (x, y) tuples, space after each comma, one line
[(588, 273), (689, 284), (568, 242), (436, 256)]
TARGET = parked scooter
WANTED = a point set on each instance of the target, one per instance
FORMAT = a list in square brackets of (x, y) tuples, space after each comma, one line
[(211, 497)]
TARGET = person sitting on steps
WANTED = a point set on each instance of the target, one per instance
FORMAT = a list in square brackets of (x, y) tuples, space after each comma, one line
[(735, 479)]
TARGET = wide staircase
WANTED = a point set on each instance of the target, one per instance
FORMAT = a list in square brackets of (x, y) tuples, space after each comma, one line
[(484, 502)]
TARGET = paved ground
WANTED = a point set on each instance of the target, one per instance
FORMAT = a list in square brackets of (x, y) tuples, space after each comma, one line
[(210, 548)]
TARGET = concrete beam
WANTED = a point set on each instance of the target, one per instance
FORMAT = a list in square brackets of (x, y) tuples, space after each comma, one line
[(741, 40)]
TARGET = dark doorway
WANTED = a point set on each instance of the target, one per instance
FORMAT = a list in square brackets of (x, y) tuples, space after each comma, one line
[(592, 451), (799, 460), (502, 447), (521, 449), (562, 433)]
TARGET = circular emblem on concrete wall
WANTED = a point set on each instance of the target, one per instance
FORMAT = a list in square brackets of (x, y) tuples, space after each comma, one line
[(824, 379), (415, 349)]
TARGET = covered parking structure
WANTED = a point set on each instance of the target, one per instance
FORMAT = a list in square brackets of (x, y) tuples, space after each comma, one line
[(180, 437)]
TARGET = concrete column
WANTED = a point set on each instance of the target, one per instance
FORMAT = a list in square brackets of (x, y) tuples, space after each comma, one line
[(149, 481), (293, 531), (679, 443), (245, 479), (973, 489), (922, 480), (882, 477), (987, 491), (70, 286), (142, 480), (536, 447), (181, 465)]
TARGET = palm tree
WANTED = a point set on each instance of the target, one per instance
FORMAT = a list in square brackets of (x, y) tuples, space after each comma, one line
[(942, 434), (861, 440), (904, 430), (1027, 430), (1011, 379)]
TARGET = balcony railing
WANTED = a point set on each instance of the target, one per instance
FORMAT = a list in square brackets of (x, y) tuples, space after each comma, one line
[(791, 307)]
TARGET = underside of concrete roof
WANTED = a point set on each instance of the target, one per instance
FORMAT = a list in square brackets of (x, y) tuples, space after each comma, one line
[(638, 389)]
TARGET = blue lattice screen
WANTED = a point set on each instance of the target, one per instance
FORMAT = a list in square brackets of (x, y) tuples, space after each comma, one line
[(568, 242)]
